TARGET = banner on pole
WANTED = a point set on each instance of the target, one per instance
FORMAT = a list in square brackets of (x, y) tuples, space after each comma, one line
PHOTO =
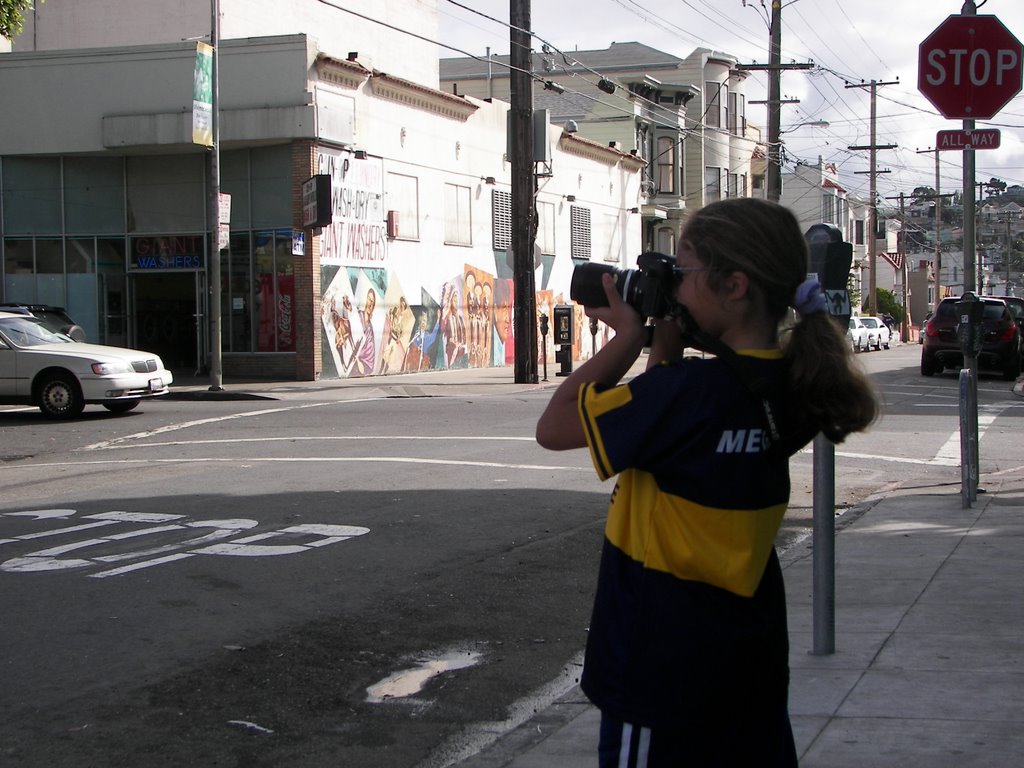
[(202, 96)]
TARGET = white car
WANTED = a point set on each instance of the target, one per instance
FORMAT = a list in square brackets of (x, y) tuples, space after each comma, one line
[(859, 335), (878, 332), (60, 376)]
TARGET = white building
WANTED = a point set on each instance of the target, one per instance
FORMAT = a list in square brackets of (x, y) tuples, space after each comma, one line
[(104, 193)]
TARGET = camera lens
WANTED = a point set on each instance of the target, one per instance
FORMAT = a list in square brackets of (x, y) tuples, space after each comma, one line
[(586, 288)]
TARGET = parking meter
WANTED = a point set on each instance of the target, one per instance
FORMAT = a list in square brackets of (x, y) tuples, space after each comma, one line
[(831, 259), (593, 336), (544, 326), (970, 310)]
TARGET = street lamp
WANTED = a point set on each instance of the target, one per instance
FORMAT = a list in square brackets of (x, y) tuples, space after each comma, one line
[(812, 123)]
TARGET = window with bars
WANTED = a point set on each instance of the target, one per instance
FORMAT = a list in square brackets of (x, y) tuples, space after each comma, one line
[(501, 220), (579, 223)]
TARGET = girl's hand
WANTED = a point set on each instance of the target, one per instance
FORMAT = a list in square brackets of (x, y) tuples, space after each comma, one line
[(618, 315)]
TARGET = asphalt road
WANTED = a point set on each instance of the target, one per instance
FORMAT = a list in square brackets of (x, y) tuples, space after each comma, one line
[(352, 581)]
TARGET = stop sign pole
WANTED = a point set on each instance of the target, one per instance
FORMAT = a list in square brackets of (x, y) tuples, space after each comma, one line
[(969, 68)]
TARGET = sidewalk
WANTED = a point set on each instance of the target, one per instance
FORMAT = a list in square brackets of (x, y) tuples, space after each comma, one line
[(929, 634), (928, 669)]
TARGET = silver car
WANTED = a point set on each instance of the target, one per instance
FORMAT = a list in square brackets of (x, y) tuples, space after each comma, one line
[(60, 376)]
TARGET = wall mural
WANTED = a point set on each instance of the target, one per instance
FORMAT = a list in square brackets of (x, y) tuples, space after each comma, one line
[(371, 327)]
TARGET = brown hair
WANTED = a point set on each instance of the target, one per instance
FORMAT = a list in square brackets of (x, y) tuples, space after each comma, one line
[(828, 391)]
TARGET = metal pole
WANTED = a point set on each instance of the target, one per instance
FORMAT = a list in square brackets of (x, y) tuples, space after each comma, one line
[(873, 214), (824, 543), (773, 172), (213, 268)]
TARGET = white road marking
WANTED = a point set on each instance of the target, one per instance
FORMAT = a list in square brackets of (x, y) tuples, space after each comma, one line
[(309, 438), (214, 420), (306, 460)]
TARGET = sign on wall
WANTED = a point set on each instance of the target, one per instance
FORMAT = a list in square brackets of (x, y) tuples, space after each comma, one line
[(357, 232)]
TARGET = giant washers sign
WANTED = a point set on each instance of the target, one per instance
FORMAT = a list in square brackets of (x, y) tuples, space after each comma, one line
[(172, 252)]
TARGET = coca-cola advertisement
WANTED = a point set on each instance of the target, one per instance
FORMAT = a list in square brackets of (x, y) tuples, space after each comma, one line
[(277, 314)]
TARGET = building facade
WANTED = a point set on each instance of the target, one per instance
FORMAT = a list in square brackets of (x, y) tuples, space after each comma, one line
[(685, 118), (104, 205)]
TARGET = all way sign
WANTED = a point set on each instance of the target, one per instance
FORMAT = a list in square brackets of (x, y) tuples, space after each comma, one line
[(983, 138)]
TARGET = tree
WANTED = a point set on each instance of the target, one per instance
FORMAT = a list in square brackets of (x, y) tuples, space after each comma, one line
[(922, 195), (12, 15), (887, 304)]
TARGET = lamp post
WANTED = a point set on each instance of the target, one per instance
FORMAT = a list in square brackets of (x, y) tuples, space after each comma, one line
[(811, 123), (216, 377)]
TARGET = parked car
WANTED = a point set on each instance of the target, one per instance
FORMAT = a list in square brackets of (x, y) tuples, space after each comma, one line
[(55, 318), (879, 334), (859, 335), (47, 369), (1001, 339)]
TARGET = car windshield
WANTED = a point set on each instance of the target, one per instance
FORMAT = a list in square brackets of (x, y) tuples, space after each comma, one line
[(29, 332), (870, 322)]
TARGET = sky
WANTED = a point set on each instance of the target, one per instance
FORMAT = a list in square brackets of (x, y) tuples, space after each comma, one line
[(849, 42)]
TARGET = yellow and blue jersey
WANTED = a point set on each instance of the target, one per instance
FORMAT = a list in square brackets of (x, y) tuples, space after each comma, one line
[(690, 605)]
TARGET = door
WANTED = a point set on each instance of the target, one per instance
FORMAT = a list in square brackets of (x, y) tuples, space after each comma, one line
[(166, 318)]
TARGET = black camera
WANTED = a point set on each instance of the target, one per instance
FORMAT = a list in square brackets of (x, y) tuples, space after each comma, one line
[(649, 289)]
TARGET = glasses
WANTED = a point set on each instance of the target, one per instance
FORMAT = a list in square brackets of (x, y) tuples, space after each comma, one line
[(678, 273)]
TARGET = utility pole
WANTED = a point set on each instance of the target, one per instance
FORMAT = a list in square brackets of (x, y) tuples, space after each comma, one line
[(938, 229), (775, 67), (873, 205), (901, 258), (523, 180)]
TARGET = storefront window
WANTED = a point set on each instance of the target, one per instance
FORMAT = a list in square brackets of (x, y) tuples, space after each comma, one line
[(31, 195), (236, 296), (19, 272), (167, 194), (94, 195), (50, 272), (275, 299)]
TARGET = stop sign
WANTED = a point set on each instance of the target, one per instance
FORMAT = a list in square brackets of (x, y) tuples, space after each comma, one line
[(970, 67)]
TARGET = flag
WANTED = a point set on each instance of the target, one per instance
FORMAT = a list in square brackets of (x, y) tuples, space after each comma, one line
[(202, 96)]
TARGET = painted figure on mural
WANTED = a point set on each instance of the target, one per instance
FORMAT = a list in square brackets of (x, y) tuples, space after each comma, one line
[(453, 328), (342, 329), (504, 349), (366, 355), (471, 287), (417, 356), (396, 332)]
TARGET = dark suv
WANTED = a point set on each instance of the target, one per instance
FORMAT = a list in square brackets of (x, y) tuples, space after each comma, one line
[(1000, 341), (52, 318)]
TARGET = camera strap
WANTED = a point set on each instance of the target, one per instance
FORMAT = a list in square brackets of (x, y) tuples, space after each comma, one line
[(759, 385)]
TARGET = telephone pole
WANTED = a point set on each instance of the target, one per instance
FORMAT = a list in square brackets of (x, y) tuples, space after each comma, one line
[(873, 193), (775, 67), (520, 142), (938, 229)]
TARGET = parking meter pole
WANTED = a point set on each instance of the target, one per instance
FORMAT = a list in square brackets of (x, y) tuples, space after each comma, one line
[(970, 313), (544, 343), (824, 541)]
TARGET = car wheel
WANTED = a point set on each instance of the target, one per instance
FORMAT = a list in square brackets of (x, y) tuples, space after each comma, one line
[(59, 397), (121, 406), (929, 367), (878, 343)]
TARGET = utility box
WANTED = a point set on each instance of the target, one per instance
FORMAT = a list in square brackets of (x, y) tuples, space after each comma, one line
[(563, 338)]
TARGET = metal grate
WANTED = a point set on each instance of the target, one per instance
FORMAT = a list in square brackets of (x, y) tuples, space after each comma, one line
[(501, 217), (579, 221)]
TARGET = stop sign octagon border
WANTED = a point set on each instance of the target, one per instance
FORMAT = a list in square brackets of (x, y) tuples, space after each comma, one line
[(970, 67)]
